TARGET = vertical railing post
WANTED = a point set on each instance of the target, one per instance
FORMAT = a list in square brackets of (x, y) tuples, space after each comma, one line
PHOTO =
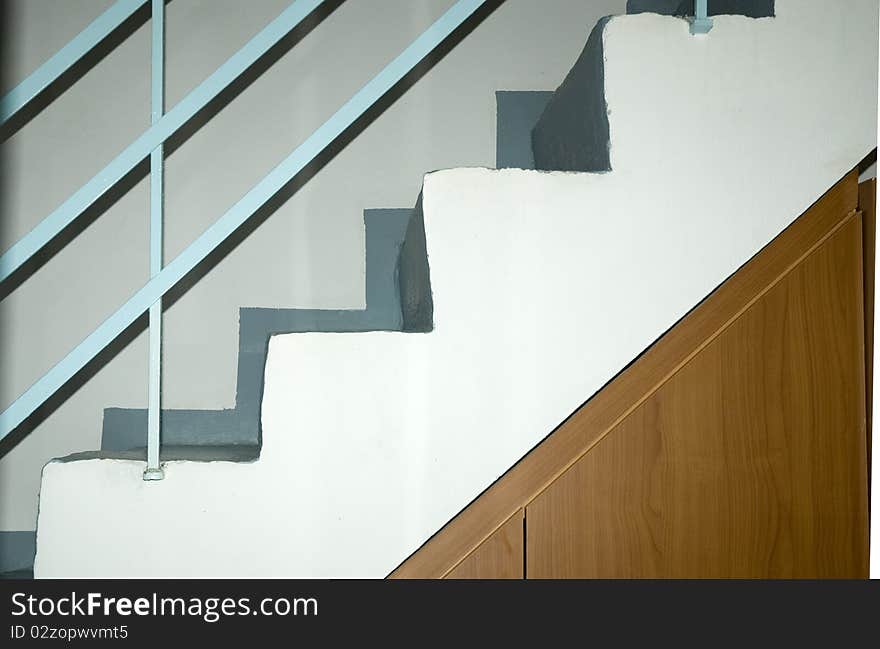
[(701, 24), (157, 108)]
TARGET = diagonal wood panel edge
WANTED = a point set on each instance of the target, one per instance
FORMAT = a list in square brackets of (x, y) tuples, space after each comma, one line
[(595, 418)]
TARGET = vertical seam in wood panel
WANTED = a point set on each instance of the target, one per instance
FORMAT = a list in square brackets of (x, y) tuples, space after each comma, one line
[(860, 277), (708, 340), (868, 193)]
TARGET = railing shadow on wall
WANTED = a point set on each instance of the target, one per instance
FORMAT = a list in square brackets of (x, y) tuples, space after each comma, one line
[(192, 126), (73, 74)]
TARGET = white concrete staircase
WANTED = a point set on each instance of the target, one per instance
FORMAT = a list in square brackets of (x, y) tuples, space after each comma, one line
[(544, 285)]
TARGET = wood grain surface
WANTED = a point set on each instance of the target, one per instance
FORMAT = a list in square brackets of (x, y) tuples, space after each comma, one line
[(748, 463), (600, 414), (498, 557)]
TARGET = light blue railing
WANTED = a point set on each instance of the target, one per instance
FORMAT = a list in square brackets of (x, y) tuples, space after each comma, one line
[(73, 207), (157, 208), (701, 23), (149, 143)]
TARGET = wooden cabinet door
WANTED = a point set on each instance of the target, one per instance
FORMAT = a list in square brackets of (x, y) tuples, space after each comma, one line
[(750, 461)]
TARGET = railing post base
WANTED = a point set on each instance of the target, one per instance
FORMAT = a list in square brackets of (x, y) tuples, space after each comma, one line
[(701, 25), (153, 473)]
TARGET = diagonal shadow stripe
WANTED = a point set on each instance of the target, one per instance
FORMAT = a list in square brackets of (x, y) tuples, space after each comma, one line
[(750, 8)]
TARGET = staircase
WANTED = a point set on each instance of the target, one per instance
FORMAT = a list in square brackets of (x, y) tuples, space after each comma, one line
[(572, 136), (495, 308), (229, 434)]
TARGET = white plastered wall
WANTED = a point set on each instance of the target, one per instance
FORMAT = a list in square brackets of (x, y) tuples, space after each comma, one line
[(545, 285)]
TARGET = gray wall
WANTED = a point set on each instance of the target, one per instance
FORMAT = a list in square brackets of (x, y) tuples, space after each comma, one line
[(308, 254)]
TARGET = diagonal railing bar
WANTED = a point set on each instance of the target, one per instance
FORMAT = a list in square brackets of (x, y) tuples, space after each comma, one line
[(73, 207), (154, 289), (61, 61)]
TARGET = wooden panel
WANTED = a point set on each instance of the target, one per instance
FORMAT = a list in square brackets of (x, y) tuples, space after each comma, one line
[(593, 420), (749, 462), (868, 207), (501, 556)]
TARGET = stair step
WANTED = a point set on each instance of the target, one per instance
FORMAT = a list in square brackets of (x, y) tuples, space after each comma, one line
[(125, 429), (17, 549), (572, 133), (206, 431), (171, 452)]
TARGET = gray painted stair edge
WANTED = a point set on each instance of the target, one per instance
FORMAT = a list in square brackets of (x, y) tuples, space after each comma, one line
[(750, 8), (17, 550), (517, 113), (572, 134)]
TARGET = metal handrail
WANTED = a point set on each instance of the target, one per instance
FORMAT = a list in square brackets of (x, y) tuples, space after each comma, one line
[(157, 286), (73, 207), (157, 181), (701, 23)]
